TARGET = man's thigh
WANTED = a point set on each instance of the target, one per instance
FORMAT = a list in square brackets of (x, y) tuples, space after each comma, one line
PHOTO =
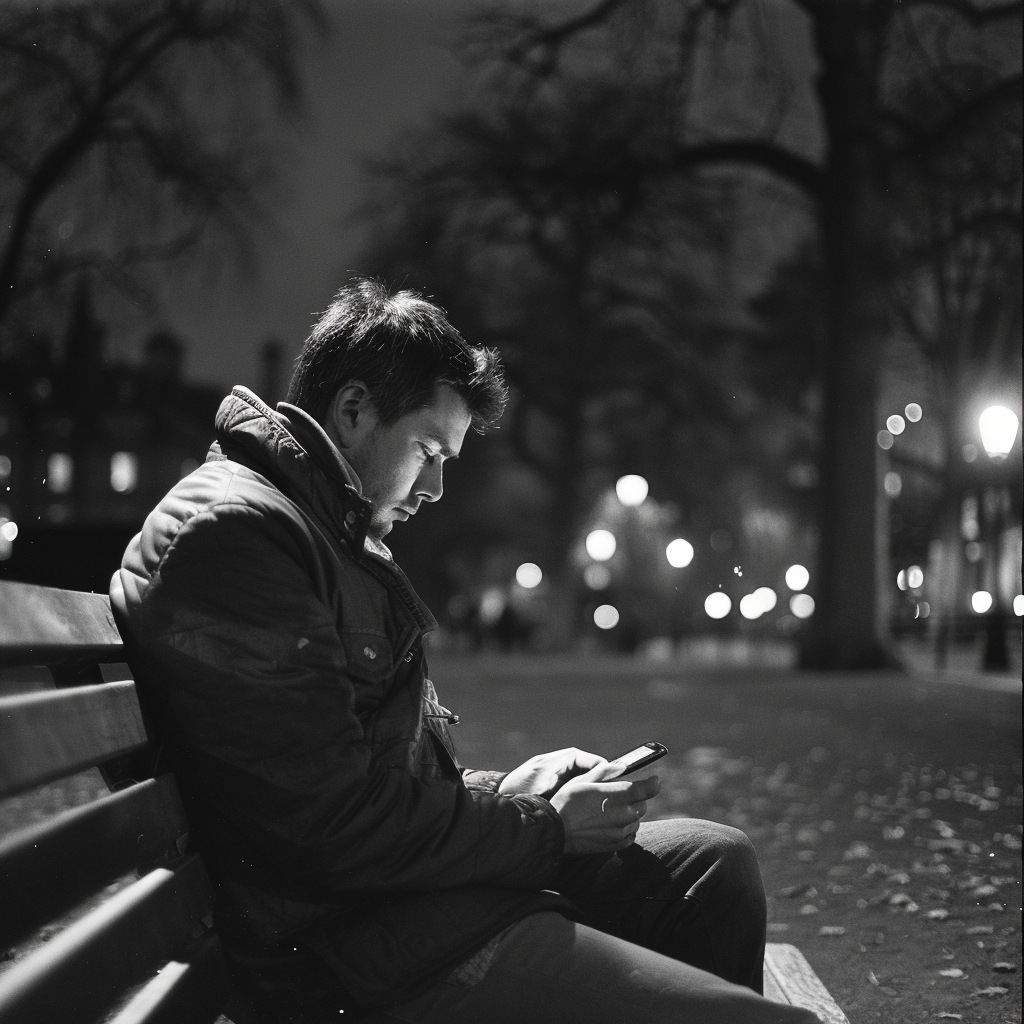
[(687, 888), (550, 970)]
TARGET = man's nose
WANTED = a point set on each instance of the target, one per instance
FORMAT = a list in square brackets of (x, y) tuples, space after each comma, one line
[(429, 486)]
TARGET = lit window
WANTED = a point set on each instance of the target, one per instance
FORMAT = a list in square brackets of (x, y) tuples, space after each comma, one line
[(124, 472), (60, 472)]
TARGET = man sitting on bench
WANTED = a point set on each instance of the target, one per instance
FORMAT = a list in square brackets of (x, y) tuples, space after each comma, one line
[(359, 868)]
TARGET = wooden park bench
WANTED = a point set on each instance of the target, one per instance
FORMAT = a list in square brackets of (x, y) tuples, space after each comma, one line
[(105, 908)]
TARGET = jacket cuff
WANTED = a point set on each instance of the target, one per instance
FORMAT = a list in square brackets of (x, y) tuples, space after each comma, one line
[(482, 781), (539, 809)]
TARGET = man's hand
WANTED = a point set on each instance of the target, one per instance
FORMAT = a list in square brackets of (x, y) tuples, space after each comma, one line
[(600, 816), (544, 774)]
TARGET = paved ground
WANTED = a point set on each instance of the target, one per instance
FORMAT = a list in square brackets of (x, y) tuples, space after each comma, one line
[(886, 809)]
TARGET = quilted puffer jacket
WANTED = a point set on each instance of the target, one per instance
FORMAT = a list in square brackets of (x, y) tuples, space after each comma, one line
[(281, 660)]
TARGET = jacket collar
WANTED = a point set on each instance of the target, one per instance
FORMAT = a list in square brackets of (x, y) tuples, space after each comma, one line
[(293, 451)]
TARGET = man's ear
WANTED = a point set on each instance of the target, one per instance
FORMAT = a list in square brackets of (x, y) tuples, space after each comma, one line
[(350, 415)]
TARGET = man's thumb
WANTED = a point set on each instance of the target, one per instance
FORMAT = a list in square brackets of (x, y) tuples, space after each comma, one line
[(602, 772)]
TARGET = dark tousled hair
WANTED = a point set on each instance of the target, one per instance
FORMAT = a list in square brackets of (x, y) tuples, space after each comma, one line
[(402, 348)]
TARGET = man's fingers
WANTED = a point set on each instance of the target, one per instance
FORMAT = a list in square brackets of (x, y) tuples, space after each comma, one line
[(644, 789)]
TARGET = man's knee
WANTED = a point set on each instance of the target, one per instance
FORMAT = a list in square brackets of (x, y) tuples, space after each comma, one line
[(736, 865)]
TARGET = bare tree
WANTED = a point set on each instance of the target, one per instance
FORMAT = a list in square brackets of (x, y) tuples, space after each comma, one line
[(651, 119), (130, 137)]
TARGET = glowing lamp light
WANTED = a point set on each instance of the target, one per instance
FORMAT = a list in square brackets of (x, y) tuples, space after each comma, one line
[(981, 601), (998, 426), (631, 489), (797, 577), (766, 597), (896, 424), (124, 472), (802, 605), (717, 605), (9, 531), (679, 553), (1018, 605), (597, 577), (528, 575), (606, 616), (750, 607), (601, 545)]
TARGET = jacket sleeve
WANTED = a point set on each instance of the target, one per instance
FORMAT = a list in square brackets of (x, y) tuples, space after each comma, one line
[(251, 673)]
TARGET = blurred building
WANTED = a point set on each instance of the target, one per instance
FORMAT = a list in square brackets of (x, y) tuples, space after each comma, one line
[(89, 445)]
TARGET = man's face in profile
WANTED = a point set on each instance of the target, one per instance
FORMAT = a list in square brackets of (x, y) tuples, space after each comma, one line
[(400, 465)]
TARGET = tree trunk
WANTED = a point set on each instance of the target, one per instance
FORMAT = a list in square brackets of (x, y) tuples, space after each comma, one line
[(845, 630)]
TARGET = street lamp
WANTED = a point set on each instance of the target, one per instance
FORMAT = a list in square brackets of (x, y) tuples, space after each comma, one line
[(998, 428)]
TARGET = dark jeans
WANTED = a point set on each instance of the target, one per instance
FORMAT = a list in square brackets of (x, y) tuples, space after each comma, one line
[(676, 933)]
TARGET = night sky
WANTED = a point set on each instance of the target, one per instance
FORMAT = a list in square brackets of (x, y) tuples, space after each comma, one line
[(382, 69)]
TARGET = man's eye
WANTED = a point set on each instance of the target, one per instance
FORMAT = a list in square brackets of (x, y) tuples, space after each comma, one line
[(429, 456)]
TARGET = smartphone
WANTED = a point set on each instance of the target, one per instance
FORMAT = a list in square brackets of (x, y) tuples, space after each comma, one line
[(640, 757)]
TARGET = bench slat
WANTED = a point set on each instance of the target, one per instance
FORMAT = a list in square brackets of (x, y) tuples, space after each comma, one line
[(120, 944), (46, 735), (45, 626), (182, 993), (794, 977), (47, 869)]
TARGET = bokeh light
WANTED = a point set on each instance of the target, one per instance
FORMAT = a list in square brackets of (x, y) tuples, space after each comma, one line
[(597, 577), (600, 545), (717, 605), (1018, 605), (528, 575), (631, 489), (896, 424), (915, 577), (124, 472), (60, 472), (797, 577), (969, 452), (766, 598), (802, 605), (606, 616), (981, 601), (913, 412), (884, 439), (923, 610), (9, 531), (901, 579), (893, 484), (750, 607), (679, 553), (998, 426)]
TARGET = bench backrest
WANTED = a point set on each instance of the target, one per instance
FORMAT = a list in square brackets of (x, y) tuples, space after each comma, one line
[(84, 947)]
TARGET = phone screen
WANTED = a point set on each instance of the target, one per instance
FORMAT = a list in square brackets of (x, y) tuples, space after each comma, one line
[(640, 756)]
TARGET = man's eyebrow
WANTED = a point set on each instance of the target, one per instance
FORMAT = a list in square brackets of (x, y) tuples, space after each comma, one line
[(446, 451)]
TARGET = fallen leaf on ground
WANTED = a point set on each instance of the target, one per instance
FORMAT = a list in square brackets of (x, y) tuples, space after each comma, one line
[(992, 991), (808, 908), (831, 929), (1004, 968), (939, 914), (980, 929), (953, 972)]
